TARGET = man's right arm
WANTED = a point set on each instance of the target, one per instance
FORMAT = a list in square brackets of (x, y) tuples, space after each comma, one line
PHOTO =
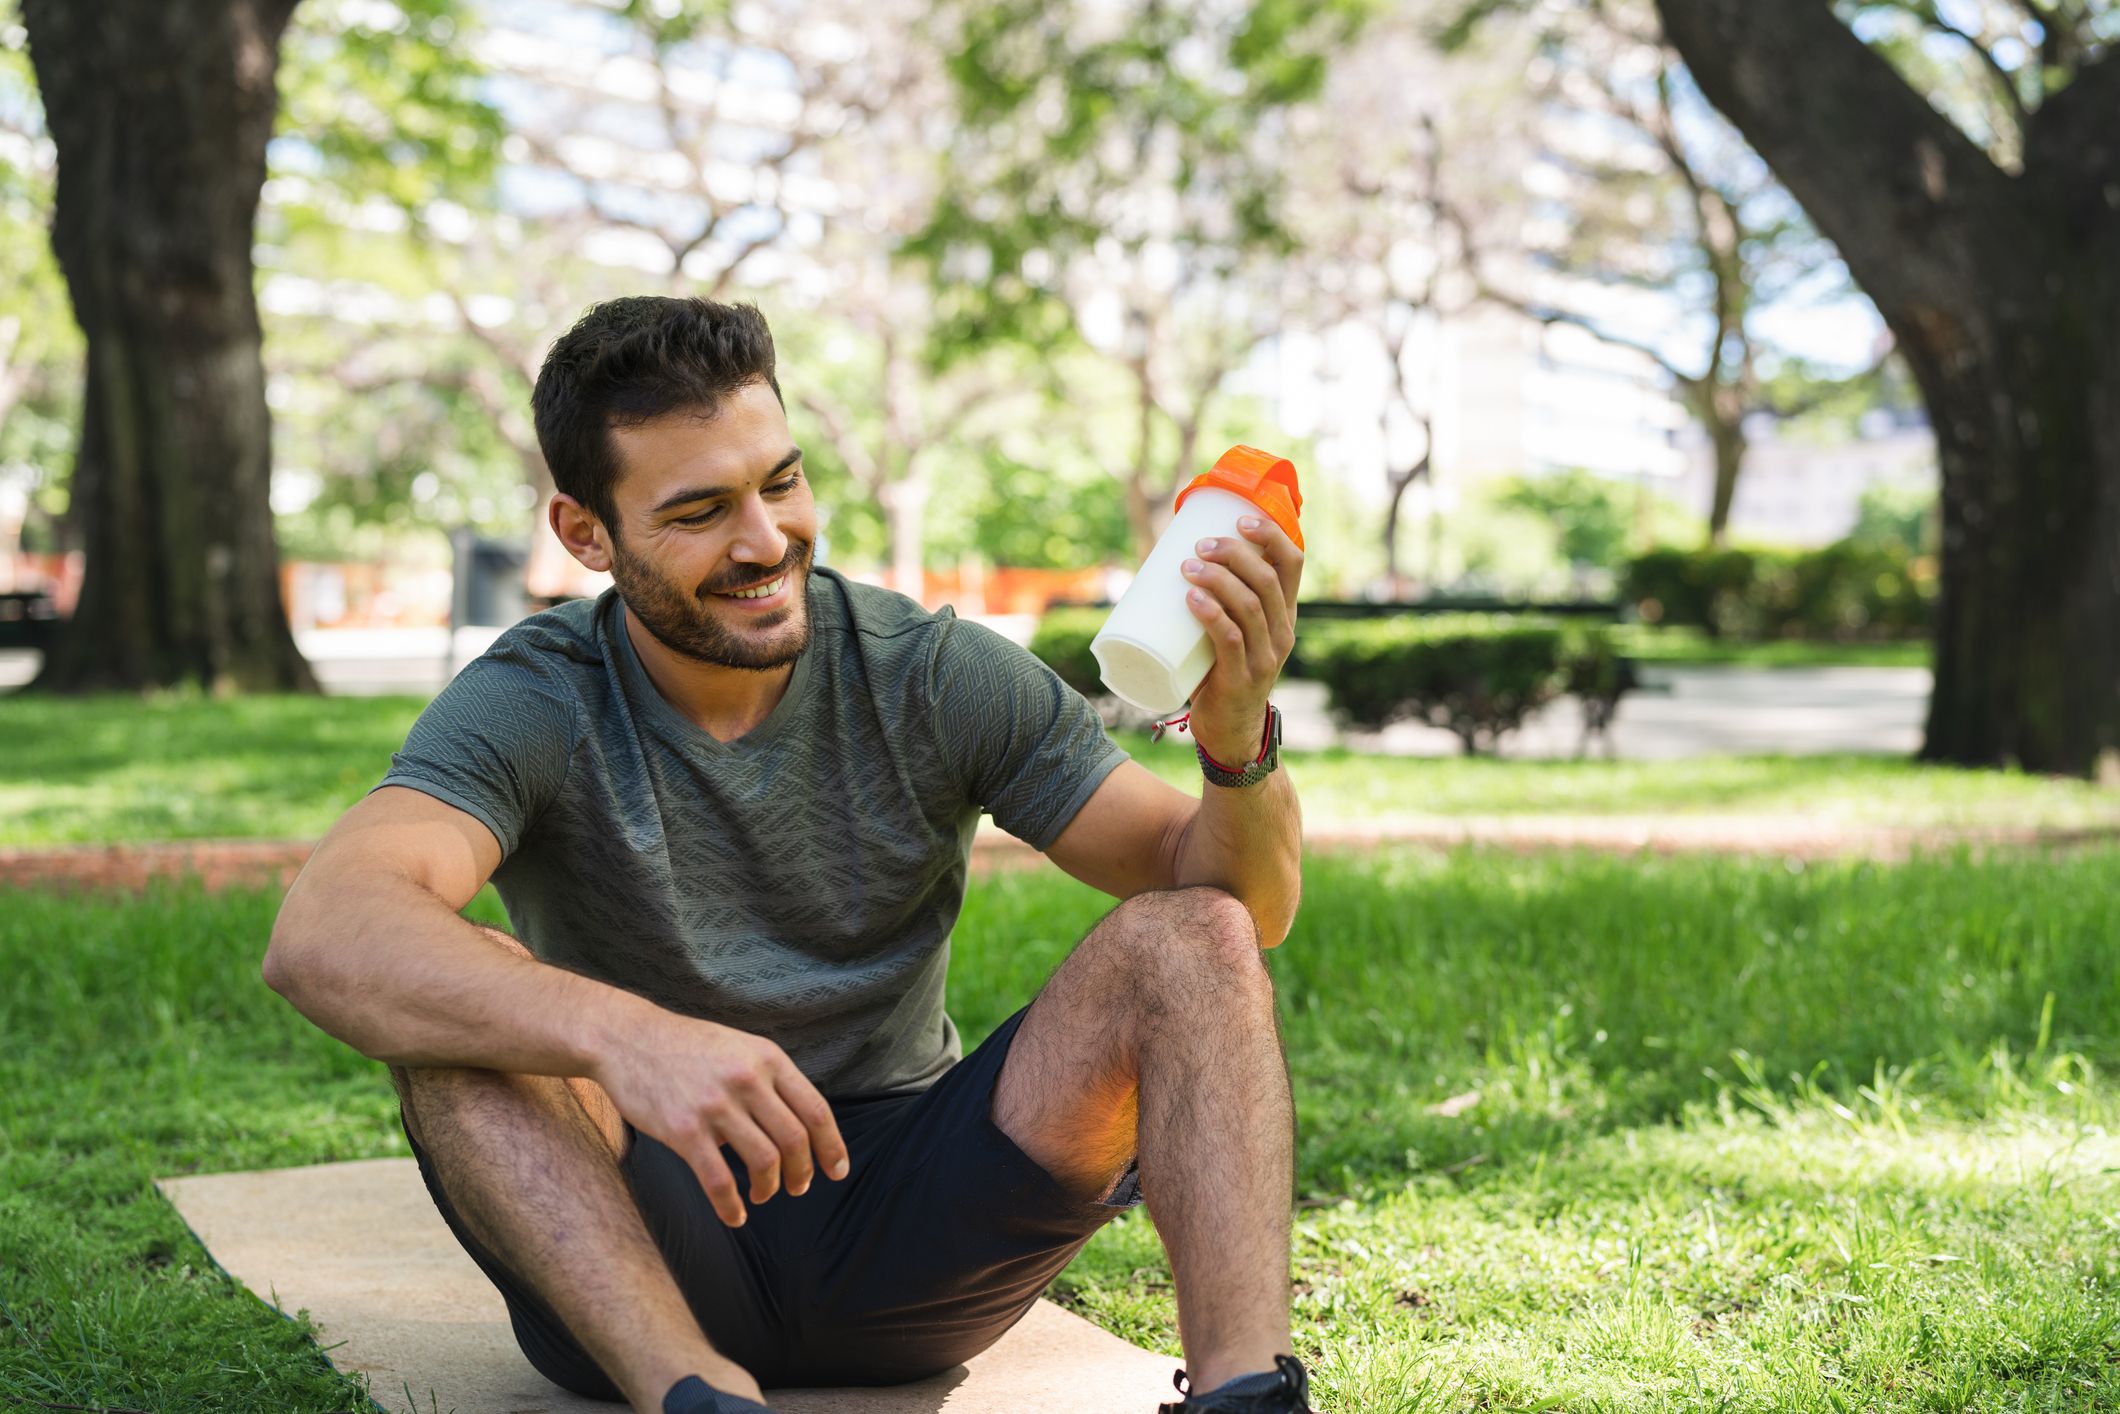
[(369, 945)]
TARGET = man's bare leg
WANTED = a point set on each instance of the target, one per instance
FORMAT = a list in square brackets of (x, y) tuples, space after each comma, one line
[(1157, 1038), (530, 1163)]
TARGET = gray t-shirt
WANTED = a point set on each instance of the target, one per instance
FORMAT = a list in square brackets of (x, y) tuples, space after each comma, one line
[(799, 882)]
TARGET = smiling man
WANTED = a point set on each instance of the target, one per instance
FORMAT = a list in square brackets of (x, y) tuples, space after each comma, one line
[(729, 806)]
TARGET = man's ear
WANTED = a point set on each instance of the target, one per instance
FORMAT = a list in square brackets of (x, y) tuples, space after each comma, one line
[(580, 531)]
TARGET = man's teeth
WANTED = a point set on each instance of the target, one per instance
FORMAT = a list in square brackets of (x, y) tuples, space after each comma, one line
[(764, 591)]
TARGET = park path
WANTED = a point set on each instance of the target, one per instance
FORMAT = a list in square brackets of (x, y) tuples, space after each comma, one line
[(219, 864)]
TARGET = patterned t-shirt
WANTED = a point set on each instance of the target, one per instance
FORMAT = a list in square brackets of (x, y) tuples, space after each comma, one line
[(799, 882)]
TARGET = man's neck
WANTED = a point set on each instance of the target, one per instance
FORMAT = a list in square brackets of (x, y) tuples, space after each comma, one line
[(725, 703)]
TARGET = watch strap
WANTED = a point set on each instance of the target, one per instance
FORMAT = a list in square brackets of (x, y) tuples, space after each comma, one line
[(1257, 769)]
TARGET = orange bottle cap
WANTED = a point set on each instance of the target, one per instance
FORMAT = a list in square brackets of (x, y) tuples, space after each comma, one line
[(1265, 480)]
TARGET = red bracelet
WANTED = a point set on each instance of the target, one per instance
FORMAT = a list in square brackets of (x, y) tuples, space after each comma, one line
[(1265, 741)]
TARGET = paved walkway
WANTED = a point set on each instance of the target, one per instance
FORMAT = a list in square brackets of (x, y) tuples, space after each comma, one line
[(1679, 712)]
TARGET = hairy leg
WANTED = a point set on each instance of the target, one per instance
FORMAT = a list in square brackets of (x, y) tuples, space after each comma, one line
[(1157, 1038), (530, 1164)]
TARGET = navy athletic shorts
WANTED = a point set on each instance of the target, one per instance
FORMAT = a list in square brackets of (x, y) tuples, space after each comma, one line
[(941, 1236)]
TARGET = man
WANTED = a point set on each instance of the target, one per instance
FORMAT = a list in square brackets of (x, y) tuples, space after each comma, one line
[(729, 807)]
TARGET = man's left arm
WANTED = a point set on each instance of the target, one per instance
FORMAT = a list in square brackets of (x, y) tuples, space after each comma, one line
[(1139, 833)]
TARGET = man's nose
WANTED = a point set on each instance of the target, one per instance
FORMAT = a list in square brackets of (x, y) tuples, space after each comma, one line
[(758, 540)]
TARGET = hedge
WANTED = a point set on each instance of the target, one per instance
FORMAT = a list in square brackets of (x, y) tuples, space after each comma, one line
[(1477, 676), (1847, 592)]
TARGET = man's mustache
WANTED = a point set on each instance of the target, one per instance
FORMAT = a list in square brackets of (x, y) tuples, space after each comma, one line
[(798, 554)]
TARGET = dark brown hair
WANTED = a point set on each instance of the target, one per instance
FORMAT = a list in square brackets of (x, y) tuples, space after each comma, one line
[(630, 361)]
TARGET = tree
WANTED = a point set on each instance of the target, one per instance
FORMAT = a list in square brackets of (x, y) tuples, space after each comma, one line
[(1373, 241), (160, 115), (1113, 187), (1987, 244), (40, 349), (1662, 210)]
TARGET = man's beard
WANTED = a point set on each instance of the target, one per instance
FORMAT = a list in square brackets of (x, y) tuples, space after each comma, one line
[(684, 622)]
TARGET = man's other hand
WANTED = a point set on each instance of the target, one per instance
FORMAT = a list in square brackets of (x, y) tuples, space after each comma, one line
[(695, 1086)]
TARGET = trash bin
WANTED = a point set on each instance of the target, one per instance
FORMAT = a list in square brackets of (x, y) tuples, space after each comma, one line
[(489, 588)]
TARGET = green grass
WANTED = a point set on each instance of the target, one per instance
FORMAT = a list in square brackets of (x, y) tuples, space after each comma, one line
[(1726, 1135), (1690, 647), (175, 768)]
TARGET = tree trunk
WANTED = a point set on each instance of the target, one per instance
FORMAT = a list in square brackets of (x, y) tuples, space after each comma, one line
[(903, 500), (2028, 619), (160, 112), (1396, 485), (2002, 295), (1726, 438)]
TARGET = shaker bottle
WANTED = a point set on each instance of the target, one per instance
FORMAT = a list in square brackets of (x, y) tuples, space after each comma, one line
[(1152, 652)]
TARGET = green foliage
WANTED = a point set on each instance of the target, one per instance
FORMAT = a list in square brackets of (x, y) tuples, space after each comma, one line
[(1906, 518), (384, 101), (1476, 676), (1598, 520), (1062, 641), (1074, 114), (1848, 591), (1054, 515), (40, 345)]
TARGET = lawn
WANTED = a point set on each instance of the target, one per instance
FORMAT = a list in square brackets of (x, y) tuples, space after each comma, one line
[(1691, 647), (117, 769), (1576, 1133)]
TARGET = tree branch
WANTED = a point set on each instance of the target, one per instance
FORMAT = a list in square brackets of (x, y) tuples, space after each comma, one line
[(1897, 186), (838, 430)]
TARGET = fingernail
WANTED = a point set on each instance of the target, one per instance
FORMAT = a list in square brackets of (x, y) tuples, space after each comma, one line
[(1248, 522), (839, 1170), (797, 1190), (1192, 566), (1205, 546), (1197, 597)]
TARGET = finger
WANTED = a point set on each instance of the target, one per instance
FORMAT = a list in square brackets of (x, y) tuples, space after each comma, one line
[(703, 1153), (759, 1154), (1223, 632), (1248, 562), (828, 1150), (788, 1136), (1258, 659), (1279, 550)]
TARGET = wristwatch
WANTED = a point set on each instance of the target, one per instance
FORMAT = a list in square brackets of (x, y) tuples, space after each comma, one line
[(1262, 766)]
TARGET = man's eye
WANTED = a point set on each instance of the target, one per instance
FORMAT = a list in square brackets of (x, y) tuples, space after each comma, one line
[(781, 488), (698, 517)]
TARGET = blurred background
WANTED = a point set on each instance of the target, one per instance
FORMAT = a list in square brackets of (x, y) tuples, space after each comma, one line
[(1555, 347)]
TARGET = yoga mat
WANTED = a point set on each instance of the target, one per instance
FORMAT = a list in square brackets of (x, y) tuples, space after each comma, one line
[(361, 1248)]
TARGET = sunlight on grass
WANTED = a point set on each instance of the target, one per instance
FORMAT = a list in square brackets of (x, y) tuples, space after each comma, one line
[(188, 767), (1574, 1133)]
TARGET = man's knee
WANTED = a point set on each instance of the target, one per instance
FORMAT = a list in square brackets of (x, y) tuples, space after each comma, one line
[(432, 1096), (1189, 935)]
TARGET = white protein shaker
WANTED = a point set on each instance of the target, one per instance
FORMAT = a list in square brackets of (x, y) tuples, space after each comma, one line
[(1152, 652)]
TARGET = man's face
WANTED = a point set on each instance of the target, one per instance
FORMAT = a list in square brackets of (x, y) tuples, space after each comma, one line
[(706, 507)]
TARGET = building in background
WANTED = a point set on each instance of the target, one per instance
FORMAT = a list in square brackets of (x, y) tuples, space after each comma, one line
[(1803, 488)]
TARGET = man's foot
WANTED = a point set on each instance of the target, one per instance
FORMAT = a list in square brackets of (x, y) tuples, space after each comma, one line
[(693, 1395), (1285, 1389)]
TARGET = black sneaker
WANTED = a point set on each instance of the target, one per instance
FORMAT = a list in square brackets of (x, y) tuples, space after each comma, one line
[(693, 1395), (1285, 1389)]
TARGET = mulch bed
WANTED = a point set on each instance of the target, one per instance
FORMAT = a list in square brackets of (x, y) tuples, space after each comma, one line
[(220, 864)]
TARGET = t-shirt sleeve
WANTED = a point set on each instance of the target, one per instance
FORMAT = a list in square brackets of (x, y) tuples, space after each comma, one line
[(1023, 745), (496, 744)]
